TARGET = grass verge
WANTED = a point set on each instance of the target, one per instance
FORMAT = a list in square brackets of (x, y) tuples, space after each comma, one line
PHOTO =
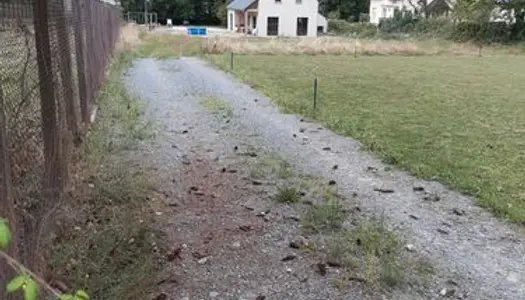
[(452, 118), (108, 244)]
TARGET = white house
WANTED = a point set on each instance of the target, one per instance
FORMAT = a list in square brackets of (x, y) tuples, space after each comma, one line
[(384, 9), (276, 17), (380, 9)]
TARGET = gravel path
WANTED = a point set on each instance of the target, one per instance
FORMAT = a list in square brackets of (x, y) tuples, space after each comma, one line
[(483, 255)]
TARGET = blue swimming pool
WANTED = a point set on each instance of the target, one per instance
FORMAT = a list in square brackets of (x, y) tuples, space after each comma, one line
[(197, 31)]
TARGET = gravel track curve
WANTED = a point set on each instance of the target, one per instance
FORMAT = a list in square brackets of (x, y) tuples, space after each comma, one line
[(484, 255)]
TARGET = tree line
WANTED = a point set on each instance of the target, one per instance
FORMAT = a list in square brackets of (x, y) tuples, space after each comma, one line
[(214, 12)]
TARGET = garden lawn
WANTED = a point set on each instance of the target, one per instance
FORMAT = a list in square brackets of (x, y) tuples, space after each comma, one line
[(457, 119)]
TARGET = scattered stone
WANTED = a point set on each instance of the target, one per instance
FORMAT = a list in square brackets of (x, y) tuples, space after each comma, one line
[(260, 297), (194, 188), (255, 100), (385, 191), (256, 182), (174, 146), (202, 261), (232, 171), (414, 217), (301, 120), (302, 129), (327, 149), (199, 193), (266, 218), (294, 135), (263, 213), (235, 148), (447, 292), (184, 131), (308, 202), (335, 167), (410, 248), (432, 198), (513, 277), (223, 170), (236, 245), (387, 169), (213, 294), (442, 231), (289, 257), (458, 212), (91, 185), (288, 270), (320, 269), (158, 213), (331, 182), (372, 169), (250, 154), (418, 189)]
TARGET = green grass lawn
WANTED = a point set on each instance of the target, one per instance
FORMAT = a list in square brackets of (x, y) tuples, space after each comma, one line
[(457, 119)]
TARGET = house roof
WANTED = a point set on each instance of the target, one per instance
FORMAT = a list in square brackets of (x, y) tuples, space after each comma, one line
[(240, 4)]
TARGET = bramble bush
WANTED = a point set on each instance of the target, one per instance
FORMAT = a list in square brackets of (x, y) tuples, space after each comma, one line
[(26, 281)]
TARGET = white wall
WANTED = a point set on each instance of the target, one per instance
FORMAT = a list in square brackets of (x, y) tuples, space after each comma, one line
[(288, 11), (385, 9), (231, 20)]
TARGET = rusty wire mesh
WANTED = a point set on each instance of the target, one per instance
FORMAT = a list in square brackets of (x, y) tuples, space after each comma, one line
[(53, 59)]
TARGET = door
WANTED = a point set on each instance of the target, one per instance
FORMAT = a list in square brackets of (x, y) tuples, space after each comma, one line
[(302, 26), (273, 26), (231, 22)]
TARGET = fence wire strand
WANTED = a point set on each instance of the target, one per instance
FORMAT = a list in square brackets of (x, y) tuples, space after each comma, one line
[(53, 60)]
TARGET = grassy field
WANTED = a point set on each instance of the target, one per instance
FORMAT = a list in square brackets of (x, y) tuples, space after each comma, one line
[(457, 119)]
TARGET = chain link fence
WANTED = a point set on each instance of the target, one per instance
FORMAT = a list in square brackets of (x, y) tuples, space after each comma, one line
[(53, 59)]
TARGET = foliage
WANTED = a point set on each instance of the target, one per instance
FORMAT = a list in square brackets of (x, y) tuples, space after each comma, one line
[(26, 281)]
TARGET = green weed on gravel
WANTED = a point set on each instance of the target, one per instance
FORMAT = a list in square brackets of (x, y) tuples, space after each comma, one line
[(112, 252), (327, 216), (374, 255), (214, 104)]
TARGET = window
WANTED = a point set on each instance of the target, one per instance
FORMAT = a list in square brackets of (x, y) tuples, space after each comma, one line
[(298, 1), (277, 1), (302, 26), (272, 26)]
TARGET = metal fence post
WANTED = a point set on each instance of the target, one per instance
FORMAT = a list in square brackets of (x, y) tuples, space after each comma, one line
[(80, 44), (63, 39), (50, 129), (315, 95)]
